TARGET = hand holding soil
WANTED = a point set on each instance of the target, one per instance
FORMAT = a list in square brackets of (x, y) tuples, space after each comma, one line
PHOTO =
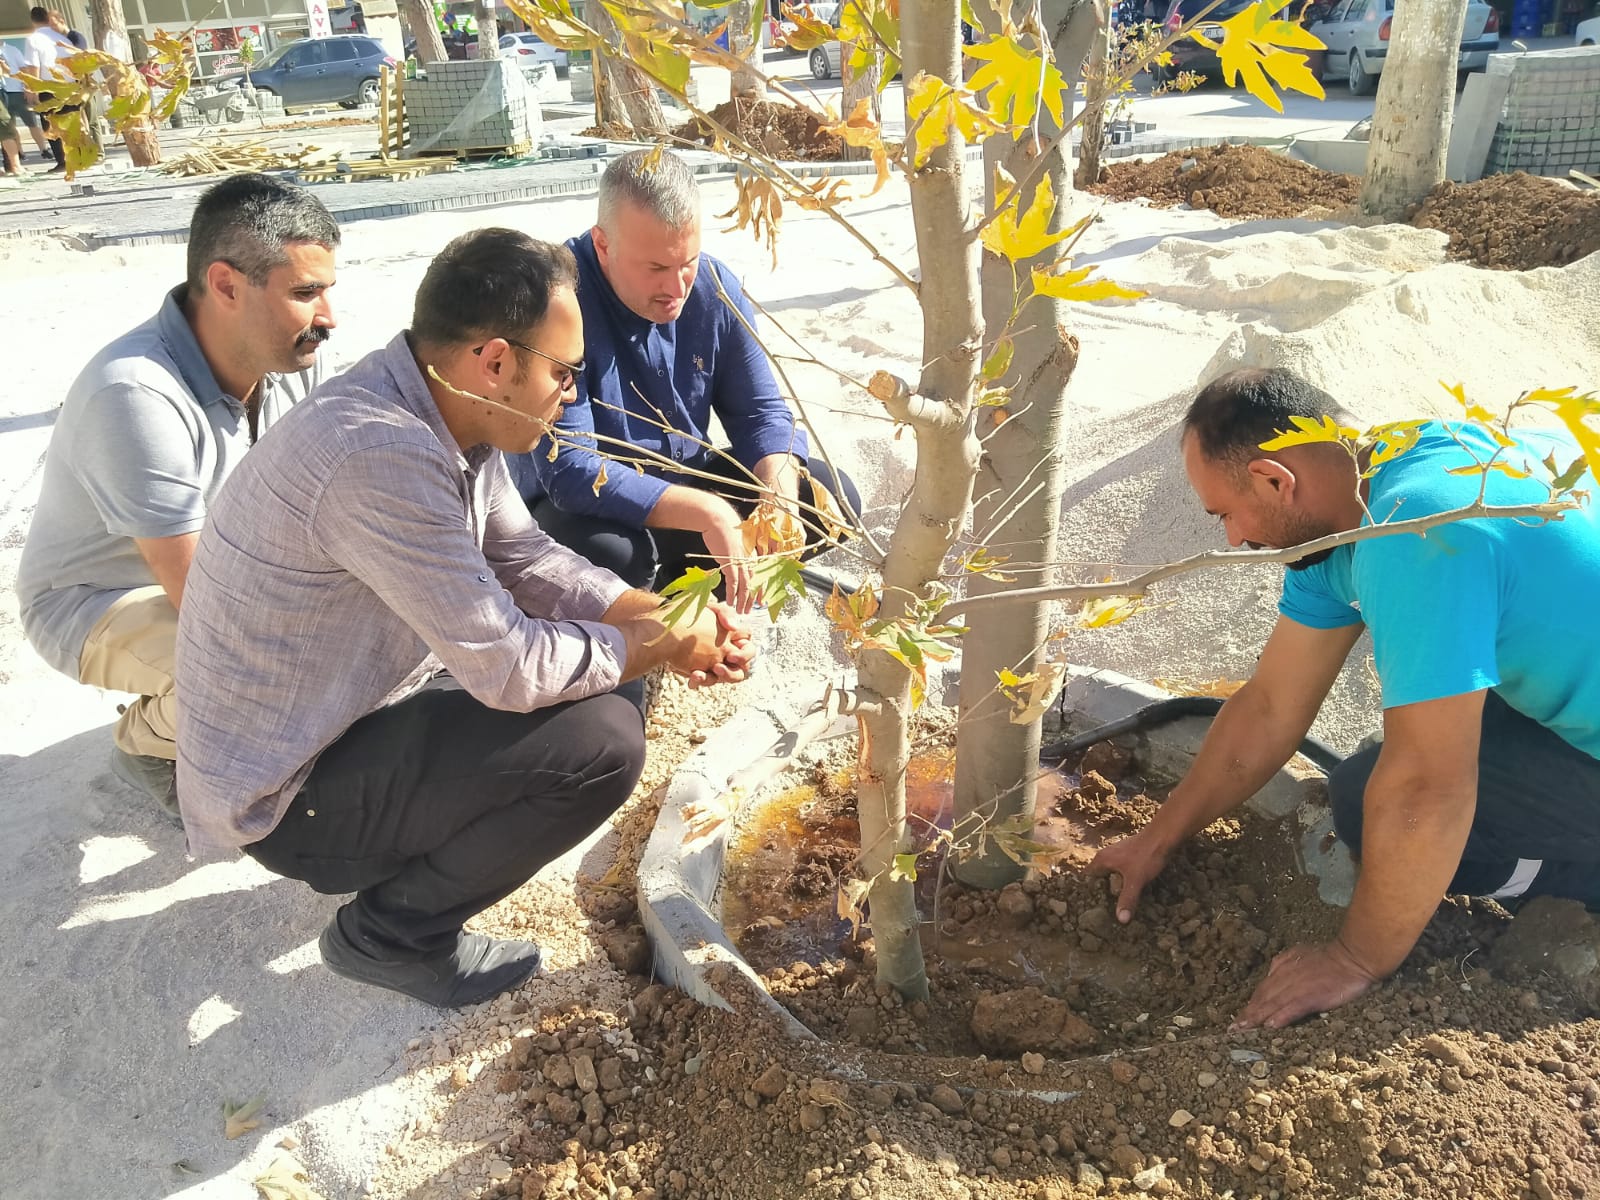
[(1135, 860), (1303, 980)]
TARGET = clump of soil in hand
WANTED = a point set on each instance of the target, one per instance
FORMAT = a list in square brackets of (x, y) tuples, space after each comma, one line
[(1514, 222), (1232, 181), (785, 131)]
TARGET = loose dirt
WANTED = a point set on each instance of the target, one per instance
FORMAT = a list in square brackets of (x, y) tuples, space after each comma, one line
[(785, 131), (1232, 181), (1514, 222), (1508, 222)]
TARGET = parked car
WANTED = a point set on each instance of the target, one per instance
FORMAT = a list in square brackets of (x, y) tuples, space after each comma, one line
[(1356, 33), (342, 69), (1188, 54), (530, 47), (1587, 33)]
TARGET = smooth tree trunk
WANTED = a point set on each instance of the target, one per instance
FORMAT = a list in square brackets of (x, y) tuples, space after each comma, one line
[(744, 43), (425, 28), (623, 94), (488, 29), (107, 23), (940, 414), (1097, 94), (1019, 497), (1416, 103), (859, 86)]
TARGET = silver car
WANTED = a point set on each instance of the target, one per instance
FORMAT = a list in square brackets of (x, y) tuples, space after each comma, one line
[(1356, 33)]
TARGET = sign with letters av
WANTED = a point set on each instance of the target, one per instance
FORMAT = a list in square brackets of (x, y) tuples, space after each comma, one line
[(317, 18)]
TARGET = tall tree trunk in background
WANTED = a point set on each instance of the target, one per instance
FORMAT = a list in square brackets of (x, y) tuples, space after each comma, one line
[(1018, 507), (859, 86), (940, 415), (744, 43), (1416, 103), (623, 94), (107, 22), (488, 29), (425, 28), (1096, 95)]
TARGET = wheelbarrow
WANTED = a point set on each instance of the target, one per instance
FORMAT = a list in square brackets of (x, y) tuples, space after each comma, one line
[(213, 106)]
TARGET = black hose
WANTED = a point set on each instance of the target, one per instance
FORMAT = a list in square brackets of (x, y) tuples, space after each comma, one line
[(1160, 713)]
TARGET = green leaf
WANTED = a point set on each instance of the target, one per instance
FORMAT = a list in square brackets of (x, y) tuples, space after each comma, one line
[(777, 578), (1563, 481), (903, 869), (690, 593), (999, 362)]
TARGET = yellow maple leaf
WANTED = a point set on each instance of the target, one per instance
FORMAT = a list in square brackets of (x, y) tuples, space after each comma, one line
[(859, 129), (1306, 432), (1074, 284), (555, 22), (1112, 610), (772, 529), (1575, 412), (1256, 48), (933, 108), (809, 32), (1017, 236), (1018, 81)]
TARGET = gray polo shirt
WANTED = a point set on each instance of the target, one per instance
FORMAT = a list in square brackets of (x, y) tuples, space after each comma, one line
[(351, 544), (142, 443)]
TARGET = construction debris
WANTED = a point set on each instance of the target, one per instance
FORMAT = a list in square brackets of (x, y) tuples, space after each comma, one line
[(223, 158)]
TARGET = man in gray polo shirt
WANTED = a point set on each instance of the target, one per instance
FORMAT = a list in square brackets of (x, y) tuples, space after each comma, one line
[(149, 430)]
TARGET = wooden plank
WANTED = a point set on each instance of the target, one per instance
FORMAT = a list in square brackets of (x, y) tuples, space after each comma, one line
[(383, 111)]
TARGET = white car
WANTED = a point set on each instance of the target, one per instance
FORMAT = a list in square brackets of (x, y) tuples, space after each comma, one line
[(1356, 33), (1587, 33), (529, 47)]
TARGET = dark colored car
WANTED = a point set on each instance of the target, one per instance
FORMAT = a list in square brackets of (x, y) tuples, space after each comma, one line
[(333, 70), (1188, 54)]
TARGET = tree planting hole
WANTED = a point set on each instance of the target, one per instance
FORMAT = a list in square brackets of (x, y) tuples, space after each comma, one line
[(1043, 965)]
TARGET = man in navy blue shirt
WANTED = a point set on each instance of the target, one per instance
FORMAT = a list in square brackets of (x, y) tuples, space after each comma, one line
[(663, 351)]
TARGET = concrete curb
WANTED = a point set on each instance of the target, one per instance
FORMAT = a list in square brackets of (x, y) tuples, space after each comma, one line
[(679, 876)]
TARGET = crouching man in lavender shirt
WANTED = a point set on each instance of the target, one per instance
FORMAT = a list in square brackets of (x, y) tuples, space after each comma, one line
[(373, 536)]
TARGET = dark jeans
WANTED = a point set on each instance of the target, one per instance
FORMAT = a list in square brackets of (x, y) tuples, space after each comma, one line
[(1538, 798), (433, 809), (653, 558)]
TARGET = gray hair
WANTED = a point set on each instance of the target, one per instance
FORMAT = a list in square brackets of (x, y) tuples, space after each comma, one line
[(247, 220), (658, 182)]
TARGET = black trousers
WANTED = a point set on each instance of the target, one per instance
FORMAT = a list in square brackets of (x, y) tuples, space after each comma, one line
[(653, 558), (1538, 798), (433, 809)]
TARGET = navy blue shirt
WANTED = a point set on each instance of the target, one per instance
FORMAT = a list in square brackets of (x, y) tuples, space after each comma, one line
[(641, 375)]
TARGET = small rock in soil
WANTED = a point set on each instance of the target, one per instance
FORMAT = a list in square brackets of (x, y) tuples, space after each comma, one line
[(772, 1082), (1014, 906), (628, 948), (947, 1100), (1033, 1064), (1106, 759), (1027, 1019), (812, 1117), (1090, 1177)]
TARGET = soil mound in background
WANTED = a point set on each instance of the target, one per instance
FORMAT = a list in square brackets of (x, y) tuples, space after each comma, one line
[(1514, 222), (1232, 181), (785, 131)]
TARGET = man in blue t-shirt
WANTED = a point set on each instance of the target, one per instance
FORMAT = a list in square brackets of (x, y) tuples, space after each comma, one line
[(1487, 781), (663, 353)]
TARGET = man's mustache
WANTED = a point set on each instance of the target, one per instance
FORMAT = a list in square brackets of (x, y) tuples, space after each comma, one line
[(314, 336)]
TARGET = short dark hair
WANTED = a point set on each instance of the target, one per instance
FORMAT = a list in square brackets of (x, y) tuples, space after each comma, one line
[(1234, 413), (247, 220), (489, 283), (39, 16)]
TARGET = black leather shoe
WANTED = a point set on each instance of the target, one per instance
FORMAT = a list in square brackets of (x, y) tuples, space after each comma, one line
[(156, 777), (475, 970)]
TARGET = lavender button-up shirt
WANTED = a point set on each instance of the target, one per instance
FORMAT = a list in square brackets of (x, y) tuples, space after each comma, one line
[(353, 545)]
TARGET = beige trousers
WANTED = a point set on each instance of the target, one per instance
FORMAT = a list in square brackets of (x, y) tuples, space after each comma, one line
[(131, 649)]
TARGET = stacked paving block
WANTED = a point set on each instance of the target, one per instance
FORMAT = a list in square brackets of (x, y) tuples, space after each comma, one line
[(1550, 123), (471, 106)]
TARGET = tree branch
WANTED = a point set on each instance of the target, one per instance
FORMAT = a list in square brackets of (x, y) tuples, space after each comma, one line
[(1138, 585)]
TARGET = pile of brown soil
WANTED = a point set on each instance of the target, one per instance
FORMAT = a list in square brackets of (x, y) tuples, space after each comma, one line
[(1232, 181), (785, 131), (1514, 222)]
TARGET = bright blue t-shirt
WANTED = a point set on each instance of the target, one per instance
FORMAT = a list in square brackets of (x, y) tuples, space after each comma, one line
[(1489, 603)]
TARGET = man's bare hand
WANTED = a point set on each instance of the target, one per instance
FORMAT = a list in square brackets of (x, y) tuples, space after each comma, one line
[(714, 648), (1136, 860), (1304, 980), (725, 540)]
